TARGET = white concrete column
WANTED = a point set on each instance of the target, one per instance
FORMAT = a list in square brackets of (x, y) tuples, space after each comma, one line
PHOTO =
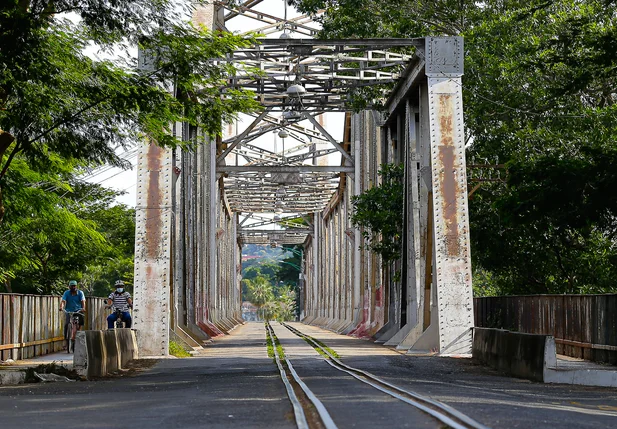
[(153, 232), (152, 288), (444, 69)]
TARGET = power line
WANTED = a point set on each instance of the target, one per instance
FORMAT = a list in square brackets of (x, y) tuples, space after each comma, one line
[(514, 109)]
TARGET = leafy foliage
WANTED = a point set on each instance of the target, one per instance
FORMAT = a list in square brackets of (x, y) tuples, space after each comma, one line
[(551, 228), (59, 229), (57, 103), (379, 212), (268, 283), (290, 266), (539, 95), (43, 239), (63, 112)]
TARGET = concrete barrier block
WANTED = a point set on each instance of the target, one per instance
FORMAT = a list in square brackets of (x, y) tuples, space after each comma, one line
[(515, 353), (127, 346), (135, 348), (528, 355), (80, 355), (97, 355), (112, 351)]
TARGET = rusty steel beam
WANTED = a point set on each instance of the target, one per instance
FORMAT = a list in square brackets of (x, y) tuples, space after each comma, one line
[(444, 68), (153, 250)]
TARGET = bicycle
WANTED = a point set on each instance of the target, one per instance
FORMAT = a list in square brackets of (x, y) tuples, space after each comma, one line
[(119, 323), (73, 326)]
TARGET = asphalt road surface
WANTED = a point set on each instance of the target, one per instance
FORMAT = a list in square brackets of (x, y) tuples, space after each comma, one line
[(234, 383)]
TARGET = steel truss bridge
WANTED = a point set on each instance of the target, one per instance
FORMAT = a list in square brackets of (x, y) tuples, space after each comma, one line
[(196, 209)]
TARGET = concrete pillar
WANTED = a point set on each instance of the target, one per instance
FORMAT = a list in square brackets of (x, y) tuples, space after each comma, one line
[(153, 232), (444, 68), (152, 291)]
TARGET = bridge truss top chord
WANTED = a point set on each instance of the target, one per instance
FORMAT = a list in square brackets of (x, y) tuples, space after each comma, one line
[(298, 80)]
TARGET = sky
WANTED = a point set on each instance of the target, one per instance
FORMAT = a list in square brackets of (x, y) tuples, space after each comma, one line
[(126, 181)]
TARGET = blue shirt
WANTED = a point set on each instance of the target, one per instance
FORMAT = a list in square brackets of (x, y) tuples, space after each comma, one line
[(73, 302)]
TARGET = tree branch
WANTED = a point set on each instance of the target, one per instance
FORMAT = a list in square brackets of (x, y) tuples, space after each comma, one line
[(15, 151), (79, 112)]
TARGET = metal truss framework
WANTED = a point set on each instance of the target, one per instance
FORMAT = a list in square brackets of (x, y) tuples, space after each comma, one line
[(329, 70), (190, 202), (298, 80)]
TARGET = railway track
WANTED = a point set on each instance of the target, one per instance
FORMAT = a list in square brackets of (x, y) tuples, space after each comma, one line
[(310, 411)]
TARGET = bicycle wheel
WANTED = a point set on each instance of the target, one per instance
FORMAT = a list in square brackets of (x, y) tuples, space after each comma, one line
[(74, 327)]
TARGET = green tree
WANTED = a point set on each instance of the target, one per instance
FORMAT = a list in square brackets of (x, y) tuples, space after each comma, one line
[(59, 228), (286, 304), (58, 104), (260, 294), (44, 241), (550, 228), (117, 224), (379, 210), (539, 95)]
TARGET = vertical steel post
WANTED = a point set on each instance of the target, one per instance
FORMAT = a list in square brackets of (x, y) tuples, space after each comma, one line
[(444, 68), (316, 249), (357, 294), (152, 288)]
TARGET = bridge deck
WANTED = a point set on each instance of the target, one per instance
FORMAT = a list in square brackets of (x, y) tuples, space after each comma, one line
[(233, 383)]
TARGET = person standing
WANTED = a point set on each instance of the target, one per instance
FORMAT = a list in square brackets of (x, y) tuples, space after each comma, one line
[(73, 300)]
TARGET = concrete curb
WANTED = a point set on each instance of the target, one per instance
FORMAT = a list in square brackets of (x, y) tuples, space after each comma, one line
[(12, 376)]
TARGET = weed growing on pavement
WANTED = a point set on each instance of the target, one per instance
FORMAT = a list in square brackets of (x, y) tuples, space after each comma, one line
[(177, 350)]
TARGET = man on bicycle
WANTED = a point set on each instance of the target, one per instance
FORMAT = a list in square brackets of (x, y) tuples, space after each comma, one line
[(119, 300), (73, 300)]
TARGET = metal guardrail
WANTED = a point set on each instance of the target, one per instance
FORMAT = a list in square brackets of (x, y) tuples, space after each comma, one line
[(584, 326), (31, 325)]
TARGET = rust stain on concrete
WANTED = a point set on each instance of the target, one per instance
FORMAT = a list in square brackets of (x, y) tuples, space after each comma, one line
[(154, 219), (149, 305), (449, 184)]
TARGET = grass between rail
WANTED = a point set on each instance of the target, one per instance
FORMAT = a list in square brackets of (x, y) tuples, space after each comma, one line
[(310, 411), (270, 346), (320, 351), (279, 348), (308, 339)]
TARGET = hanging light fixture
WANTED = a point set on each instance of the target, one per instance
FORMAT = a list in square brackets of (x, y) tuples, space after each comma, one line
[(283, 133), (296, 90)]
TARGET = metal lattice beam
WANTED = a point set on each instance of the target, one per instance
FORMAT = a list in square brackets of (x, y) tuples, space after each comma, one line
[(327, 69)]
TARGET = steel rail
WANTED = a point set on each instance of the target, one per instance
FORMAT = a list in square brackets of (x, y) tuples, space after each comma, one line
[(442, 412), (301, 421), (321, 410)]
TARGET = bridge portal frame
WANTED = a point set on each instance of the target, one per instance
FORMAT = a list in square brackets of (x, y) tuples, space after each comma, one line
[(425, 113)]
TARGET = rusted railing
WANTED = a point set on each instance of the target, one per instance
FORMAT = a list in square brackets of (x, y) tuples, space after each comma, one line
[(31, 325), (584, 326)]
